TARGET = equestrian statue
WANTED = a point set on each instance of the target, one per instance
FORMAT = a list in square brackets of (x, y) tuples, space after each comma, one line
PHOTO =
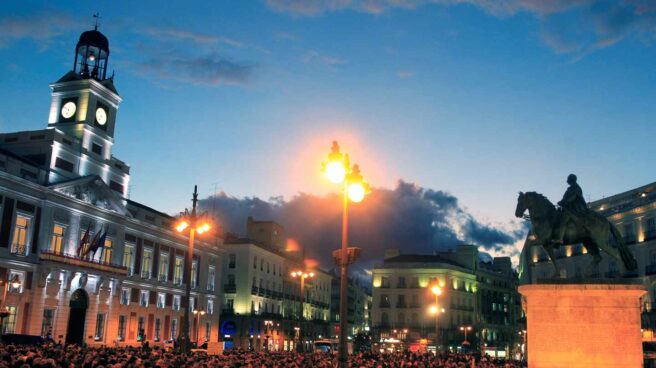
[(570, 223)]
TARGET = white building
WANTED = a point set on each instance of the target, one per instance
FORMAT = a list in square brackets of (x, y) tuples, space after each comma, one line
[(62, 192)]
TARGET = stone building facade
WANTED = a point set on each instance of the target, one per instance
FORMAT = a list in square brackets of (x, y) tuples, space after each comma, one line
[(93, 266)]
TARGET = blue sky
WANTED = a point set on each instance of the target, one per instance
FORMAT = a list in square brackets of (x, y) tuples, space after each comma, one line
[(477, 99)]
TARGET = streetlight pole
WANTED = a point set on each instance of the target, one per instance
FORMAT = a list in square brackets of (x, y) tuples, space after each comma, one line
[(437, 291), (302, 275), (198, 313), (196, 224), (465, 329), (339, 171), (4, 311)]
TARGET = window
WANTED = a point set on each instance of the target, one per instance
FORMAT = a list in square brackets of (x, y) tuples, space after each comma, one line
[(231, 279), (57, 242), (210, 307), (46, 324), (177, 271), (401, 282), (230, 304), (629, 235), (161, 300), (384, 282), (232, 260), (9, 324), (194, 273), (106, 253), (176, 302), (163, 267), (143, 300), (192, 304), (261, 264), (174, 329), (100, 327), (64, 164), (125, 296), (141, 331), (146, 263), (158, 329), (208, 327), (121, 327), (128, 256), (19, 244), (211, 275), (96, 148), (254, 262)]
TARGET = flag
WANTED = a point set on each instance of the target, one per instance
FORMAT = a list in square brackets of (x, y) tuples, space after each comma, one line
[(83, 242), (92, 244), (101, 244)]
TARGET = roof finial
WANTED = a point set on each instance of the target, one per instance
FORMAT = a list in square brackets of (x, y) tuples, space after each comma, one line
[(97, 18)]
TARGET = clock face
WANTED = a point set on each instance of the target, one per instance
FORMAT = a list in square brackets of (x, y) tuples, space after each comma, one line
[(68, 110), (101, 116)]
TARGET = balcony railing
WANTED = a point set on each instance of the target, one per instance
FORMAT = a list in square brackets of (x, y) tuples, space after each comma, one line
[(74, 260), (229, 288), (384, 304)]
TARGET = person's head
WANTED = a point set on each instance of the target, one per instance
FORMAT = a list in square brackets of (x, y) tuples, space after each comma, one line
[(571, 179)]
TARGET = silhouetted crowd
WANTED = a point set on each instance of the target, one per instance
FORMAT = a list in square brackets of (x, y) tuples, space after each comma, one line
[(55, 356)]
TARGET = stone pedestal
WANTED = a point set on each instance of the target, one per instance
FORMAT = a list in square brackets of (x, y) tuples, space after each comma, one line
[(571, 325)]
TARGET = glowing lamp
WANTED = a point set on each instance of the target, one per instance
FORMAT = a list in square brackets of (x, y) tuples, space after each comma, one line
[(293, 274), (15, 283), (436, 290), (182, 226), (311, 274), (335, 171), (92, 57), (433, 309), (356, 192)]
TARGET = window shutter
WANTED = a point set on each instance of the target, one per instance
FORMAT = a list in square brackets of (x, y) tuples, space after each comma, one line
[(35, 231), (137, 257), (28, 280), (135, 295), (171, 263), (156, 261)]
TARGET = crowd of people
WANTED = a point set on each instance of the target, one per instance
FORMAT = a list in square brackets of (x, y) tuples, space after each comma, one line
[(72, 356)]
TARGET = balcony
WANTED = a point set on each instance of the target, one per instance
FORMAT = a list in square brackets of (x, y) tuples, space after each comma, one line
[(162, 277), (254, 290), (75, 261), (384, 304), (230, 288)]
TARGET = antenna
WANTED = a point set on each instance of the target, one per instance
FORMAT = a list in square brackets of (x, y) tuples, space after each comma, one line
[(96, 17)]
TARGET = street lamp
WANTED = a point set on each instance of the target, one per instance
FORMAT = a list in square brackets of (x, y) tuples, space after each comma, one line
[(194, 223), (465, 329), (338, 170), (302, 275), (522, 351), (436, 310), (198, 313), (267, 327)]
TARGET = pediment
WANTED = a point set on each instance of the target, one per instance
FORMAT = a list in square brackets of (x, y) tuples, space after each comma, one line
[(93, 190)]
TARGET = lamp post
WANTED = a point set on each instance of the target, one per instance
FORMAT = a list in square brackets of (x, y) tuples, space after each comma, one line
[(198, 313), (15, 283), (194, 223), (465, 329), (302, 275), (338, 170), (522, 351), (436, 310), (267, 328)]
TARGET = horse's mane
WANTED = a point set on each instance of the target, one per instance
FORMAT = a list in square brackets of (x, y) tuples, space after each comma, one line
[(539, 197)]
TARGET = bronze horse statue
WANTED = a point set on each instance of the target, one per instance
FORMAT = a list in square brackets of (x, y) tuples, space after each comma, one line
[(593, 231)]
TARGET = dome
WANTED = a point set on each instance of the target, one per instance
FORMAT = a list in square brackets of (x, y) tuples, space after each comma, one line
[(94, 38)]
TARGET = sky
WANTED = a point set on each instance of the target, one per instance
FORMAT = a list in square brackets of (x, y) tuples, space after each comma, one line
[(457, 104)]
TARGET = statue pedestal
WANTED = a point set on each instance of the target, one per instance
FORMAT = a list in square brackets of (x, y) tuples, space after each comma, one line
[(578, 324)]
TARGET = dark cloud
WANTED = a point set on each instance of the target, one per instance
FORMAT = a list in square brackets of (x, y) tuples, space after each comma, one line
[(567, 26), (408, 217)]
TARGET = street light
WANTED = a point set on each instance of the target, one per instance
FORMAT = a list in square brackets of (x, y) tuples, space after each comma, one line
[(465, 329), (436, 310), (524, 337), (194, 223), (267, 327), (302, 275), (198, 313), (338, 170)]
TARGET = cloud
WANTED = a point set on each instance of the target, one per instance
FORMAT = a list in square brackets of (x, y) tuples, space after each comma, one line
[(315, 57), (409, 217), (41, 28), (405, 74), (170, 33), (567, 26)]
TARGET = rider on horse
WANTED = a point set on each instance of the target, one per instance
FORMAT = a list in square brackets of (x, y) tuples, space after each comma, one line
[(573, 208)]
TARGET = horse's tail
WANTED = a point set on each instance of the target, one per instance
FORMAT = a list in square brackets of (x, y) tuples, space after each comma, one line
[(627, 258)]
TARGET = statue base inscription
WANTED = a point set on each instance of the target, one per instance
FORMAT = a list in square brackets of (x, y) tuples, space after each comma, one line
[(576, 324)]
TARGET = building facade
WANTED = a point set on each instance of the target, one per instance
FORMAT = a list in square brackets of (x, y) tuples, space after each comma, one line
[(262, 300), (634, 213), (474, 294), (358, 300), (93, 267)]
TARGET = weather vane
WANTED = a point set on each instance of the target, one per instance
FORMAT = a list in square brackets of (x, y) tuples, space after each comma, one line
[(97, 18)]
